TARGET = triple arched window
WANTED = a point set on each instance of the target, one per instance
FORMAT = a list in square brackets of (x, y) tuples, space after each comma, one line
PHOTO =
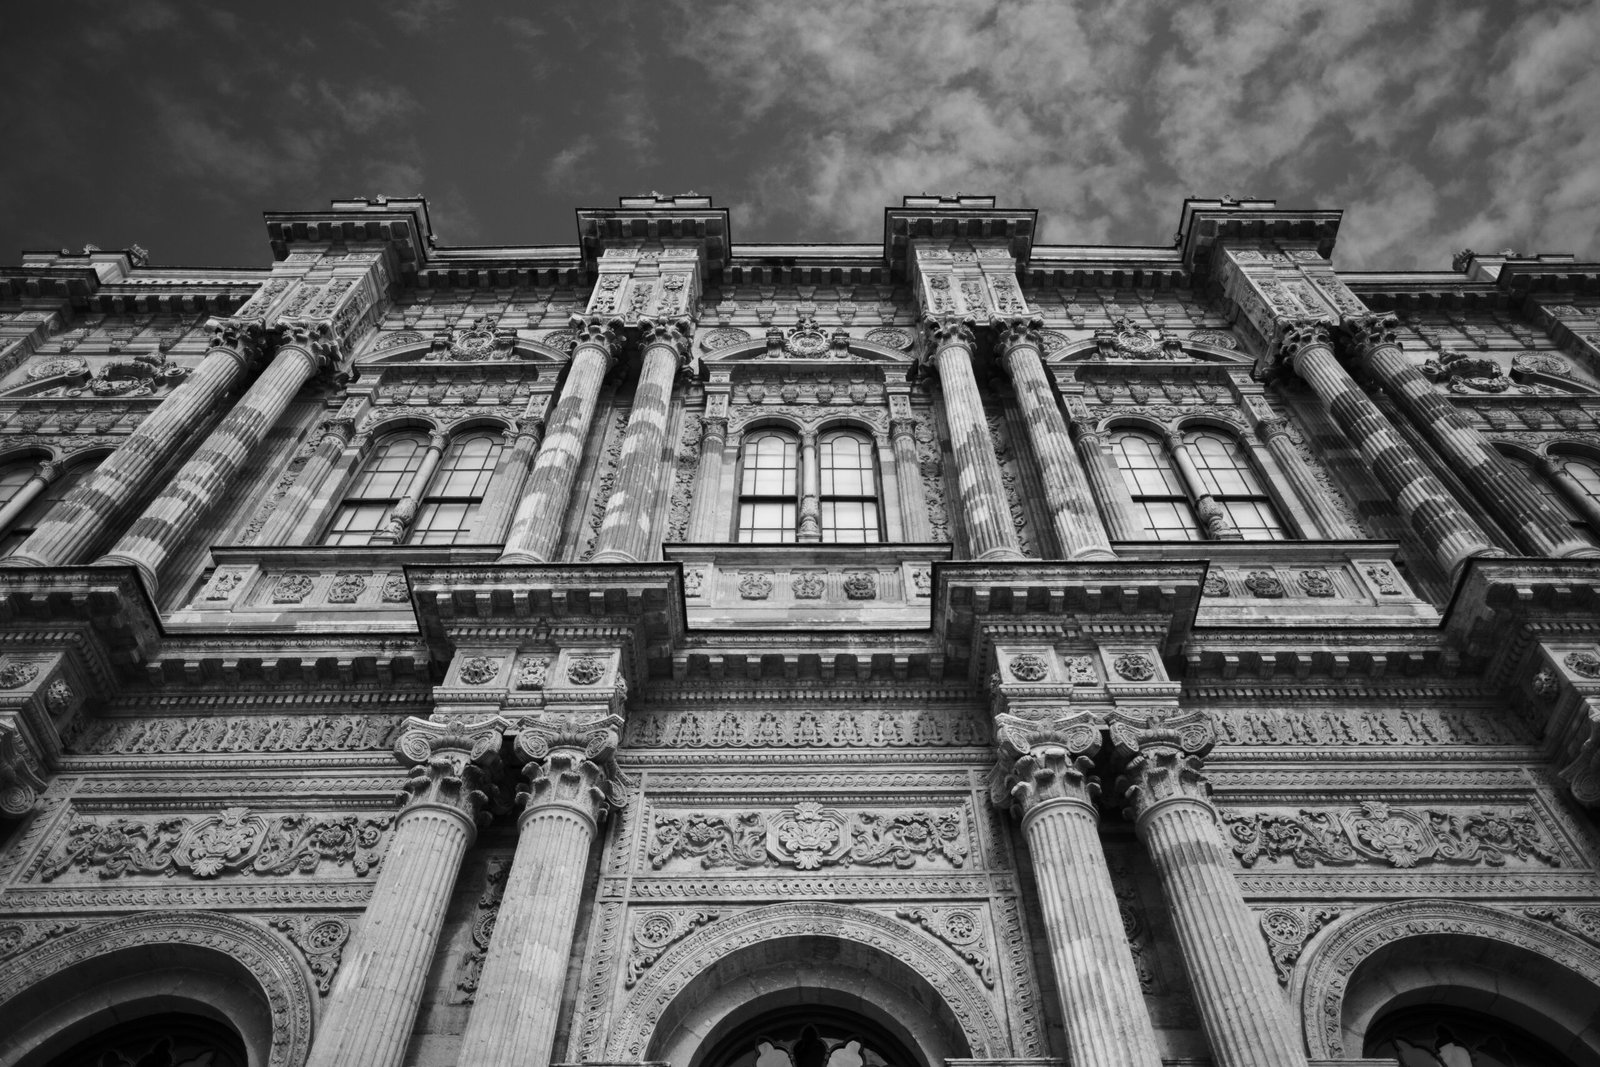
[(819, 488), (416, 489), (1195, 486)]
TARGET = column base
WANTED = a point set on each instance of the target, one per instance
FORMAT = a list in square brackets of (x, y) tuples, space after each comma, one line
[(1006, 554), (146, 575), (611, 555), (520, 557)]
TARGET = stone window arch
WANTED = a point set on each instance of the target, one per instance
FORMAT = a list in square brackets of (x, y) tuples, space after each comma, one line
[(384, 480)]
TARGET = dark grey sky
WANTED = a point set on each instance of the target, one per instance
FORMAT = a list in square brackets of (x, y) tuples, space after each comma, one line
[(173, 125)]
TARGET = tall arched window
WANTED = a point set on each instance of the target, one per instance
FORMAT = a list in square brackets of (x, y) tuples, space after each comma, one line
[(28, 519), (384, 480), (1227, 475), (849, 488), (769, 487), (448, 510), (1572, 489), (1159, 496)]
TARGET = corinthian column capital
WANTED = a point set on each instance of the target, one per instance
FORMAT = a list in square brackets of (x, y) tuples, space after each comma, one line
[(1363, 333), (1019, 331), (1299, 335), (244, 339), (571, 764), (950, 330), (315, 338), (1043, 758), (452, 767), (672, 333), (1164, 760), (597, 330)]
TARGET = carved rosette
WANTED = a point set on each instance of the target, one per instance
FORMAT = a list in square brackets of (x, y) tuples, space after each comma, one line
[(1044, 758), (1163, 760), (571, 763), (452, 766)]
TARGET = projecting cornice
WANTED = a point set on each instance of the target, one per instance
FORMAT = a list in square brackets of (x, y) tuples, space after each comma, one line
[(638, 220), (1206, 221), (399, 224), (956, 218)]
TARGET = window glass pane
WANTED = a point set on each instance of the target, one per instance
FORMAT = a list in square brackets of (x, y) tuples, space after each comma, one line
[(1586, 473), (1145, 465), (35, 513), (767, 521), (770, 465), (1223, 467), (13, 478), (1169, 520), (450, 507), (846, 462), (355, 523), (388, 472), (849, 521), (446, 523), (1255, 519)]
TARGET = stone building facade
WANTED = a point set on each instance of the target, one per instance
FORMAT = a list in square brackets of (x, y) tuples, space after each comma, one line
[(953, 649)]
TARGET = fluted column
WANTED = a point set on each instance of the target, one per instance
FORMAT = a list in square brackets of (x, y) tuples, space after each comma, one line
[(405, 510), (536, 529), (510, 478), (1274, 433), (979, 488), (1167, 796), (1516, 505), (101, 500), (708, 478), (570, 779), (625, 530), (1048, 766), (373, 1004), (1443, 528), (1066, 488), (43, 475), (914, 525), (336, 435), (210, 472)]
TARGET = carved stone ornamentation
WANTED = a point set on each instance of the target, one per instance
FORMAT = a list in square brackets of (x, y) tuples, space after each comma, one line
[(586, 670), (571, 764), (1317, 583), (808, 585), (1287, 930), (1029, 667), (233, 841), (1126, 340), (16, 674), (755, 585), (1383, 576), (59, 696), (1545, 686), (1045, 757), (1134, 667), (1376, 832), (962, 929), (1080, 671), (223, 584), (321, 941), (809, 837), (1585, 664), (479, 670), (347, 588), (656, 931), (1264, 584), (694, 579), (533, 673), (494, 887), (394, 589), (1215, 585), (292, 589), (452, 767)]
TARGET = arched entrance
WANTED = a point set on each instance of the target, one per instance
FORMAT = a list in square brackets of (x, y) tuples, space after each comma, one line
[(165, 1039), (847, 973)]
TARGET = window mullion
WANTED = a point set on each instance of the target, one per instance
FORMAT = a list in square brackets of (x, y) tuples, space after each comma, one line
[(1213, 516), (405, 510), (810, 478)]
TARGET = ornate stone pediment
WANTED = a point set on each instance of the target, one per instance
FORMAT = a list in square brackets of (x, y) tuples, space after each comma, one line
[(1127, 340), (807, 341)]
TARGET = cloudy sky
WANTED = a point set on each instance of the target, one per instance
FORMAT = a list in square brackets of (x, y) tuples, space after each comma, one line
[(173, 125)]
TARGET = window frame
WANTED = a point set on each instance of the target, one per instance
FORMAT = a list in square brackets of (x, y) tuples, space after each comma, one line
[(789, 500), (869, 471)]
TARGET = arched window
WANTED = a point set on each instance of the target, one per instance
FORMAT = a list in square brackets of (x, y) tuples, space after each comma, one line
[(769, 487), (1580, 477), (448, 511), (1447, 1036), (1159, 497), (384, 480), (849, 488), (1228, 477), (29, 518)]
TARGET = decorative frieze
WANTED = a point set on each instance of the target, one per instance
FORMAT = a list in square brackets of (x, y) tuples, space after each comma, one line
[(236, 733), (810, 836), (656, 931), (1378, 833), (233, 841), (809, 727)]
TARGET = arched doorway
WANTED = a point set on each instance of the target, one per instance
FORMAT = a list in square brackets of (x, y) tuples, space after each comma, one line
[(165, 1039), (848, 973), (1448, 1036)]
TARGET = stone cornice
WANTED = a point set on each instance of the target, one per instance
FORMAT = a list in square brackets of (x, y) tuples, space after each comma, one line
[(1205, 222)]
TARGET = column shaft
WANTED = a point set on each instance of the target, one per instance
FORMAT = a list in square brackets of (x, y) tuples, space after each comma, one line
[(536, 529), (1101, 1002), (280, 526), (1444, 529), (509, 481), (1515, 504), (405, 511), (914, 525), (100, 501), (708, 479), (1238, 996), (810, 528), (519, 993), (1116, 507), (43, 476), (1066, 488), (625, 530), (1329, 522), (1218, 525), (980, 490), (373, 1005), (210, 472)]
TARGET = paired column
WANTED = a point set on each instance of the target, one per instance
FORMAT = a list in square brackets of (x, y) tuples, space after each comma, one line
[(1072, 509), (336, 435), (570, 776), (625, 530), (1167, 796), (373, 1005), (99, 502), (979, 488), (1102, 473), (536, 528), (210, 472), (1444, 529), (43, 475), (1048, 767), (1515, 504)]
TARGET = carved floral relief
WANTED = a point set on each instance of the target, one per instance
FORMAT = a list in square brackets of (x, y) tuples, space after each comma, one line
[(810, 836)]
